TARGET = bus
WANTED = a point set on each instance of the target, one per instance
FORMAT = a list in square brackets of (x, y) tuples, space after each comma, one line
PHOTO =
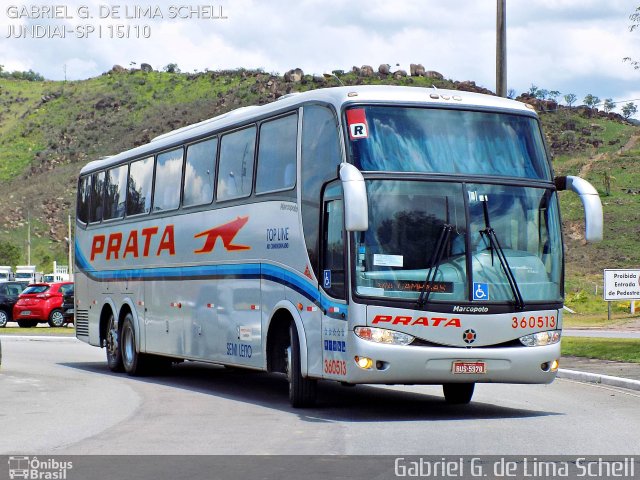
[(365, 235)]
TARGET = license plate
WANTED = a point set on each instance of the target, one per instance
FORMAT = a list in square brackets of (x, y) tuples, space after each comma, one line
[(26, 312), (469, 368)]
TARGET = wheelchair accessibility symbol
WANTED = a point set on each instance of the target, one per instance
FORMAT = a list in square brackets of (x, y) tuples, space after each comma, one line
[(326, 279), (481, 291)]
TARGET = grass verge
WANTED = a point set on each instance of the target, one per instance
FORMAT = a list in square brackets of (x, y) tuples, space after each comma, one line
[(598, 320), (616, 349), (66, 331)]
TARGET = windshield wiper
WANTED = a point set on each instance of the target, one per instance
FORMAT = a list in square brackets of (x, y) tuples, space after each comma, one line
[(437, 255), (494, 245)]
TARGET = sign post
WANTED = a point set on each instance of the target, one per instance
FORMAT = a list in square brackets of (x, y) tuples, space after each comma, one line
[(621, 284)]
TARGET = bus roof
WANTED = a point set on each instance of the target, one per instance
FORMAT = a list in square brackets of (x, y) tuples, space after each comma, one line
[(337, 96)]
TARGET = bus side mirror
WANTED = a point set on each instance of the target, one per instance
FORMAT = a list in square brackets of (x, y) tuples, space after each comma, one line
[(356, 207), (590, 202)]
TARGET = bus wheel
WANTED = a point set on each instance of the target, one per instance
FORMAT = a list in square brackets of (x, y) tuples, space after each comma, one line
[(114, 356), (135, 363), (458, 393), (302, 391), (56, 319)]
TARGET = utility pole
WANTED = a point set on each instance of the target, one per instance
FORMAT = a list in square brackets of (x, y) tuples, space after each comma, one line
[(501, 49), (28, 237), (69, 247)]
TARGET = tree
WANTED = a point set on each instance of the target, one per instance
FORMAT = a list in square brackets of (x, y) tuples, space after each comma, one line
[(553, 94), (543, 93), (609, 105), (570, 99), (635, 23), (629, 110), (533, 90), (591, 100), (172, 68), (9, 254)]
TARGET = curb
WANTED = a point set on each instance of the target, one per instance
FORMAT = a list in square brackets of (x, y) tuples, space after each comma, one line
[(599, 379)]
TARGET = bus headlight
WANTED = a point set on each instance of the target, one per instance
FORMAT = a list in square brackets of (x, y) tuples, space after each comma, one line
[(541, 339), (381, 335)]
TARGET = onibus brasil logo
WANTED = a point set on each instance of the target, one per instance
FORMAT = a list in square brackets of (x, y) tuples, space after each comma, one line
[(35, 469)]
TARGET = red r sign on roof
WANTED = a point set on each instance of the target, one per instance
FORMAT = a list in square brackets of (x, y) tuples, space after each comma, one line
[(357, 121)]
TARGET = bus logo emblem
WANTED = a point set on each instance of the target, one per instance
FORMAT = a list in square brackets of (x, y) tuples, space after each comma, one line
[(226, 232), (481, 291), (469, 336)]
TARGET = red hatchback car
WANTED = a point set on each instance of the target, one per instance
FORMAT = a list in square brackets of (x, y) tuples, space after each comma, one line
[(41, 302)]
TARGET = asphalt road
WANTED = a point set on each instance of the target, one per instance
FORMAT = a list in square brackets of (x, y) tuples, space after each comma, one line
[(58, 397)]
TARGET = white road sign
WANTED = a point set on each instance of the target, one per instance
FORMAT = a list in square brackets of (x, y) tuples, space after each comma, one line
[(621, 284)]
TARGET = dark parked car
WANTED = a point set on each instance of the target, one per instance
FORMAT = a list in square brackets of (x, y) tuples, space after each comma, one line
[(9, 292), (68, 306)]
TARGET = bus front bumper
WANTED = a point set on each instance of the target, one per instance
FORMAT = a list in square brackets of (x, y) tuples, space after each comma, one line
[(391, 364)]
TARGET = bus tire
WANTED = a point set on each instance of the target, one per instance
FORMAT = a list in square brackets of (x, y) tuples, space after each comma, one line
[(458, 393), (56, 319), (302, 391), (4, 318), (134, 362), (112, 344)]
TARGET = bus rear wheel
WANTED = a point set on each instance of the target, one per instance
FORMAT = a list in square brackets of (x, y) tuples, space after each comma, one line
[(135, 363), (112, 344), (302, 391), (458, 393)]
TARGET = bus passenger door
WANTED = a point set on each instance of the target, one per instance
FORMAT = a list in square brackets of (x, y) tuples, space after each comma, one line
[(333, 286)]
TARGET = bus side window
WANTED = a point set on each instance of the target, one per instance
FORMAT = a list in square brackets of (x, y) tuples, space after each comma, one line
[(115, 192), (277, 155), (139, 189), (333, 270), (235, 168), (199, 173), (84, 195), (97, 197), (166, 192)]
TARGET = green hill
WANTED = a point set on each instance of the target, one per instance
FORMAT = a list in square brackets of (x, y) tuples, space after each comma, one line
[(49, 130)]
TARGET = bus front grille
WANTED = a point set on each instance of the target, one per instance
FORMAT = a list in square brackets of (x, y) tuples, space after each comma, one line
[(82, 323)]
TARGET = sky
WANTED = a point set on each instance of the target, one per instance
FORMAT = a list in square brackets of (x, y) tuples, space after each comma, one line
[(572, 46)]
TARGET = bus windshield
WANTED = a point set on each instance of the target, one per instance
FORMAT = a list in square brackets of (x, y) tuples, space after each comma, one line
[(395, 256), (434, 140)]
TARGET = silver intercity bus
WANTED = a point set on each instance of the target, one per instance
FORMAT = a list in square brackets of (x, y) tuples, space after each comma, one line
[(378, 234)]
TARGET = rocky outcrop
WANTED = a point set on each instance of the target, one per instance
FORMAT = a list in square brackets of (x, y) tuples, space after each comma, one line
[(295, 75), (434, 74), (366, 71), (417, 70)]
